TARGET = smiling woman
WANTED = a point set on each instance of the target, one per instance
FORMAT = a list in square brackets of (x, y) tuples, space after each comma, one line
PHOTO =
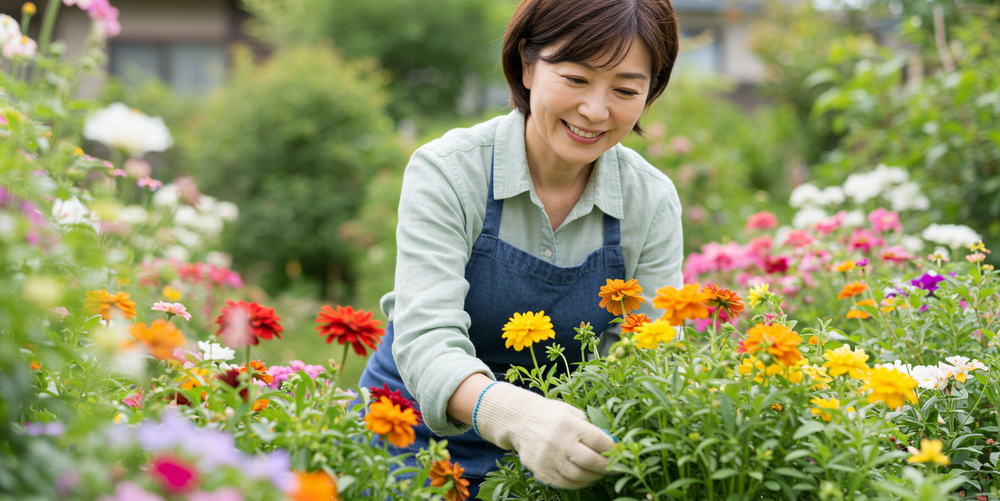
[(532, 212)]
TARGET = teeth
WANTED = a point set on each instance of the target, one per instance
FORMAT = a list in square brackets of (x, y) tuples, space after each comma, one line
[(588, 135)]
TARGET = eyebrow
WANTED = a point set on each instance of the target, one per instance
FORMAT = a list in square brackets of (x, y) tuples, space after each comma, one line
[(635, 76)]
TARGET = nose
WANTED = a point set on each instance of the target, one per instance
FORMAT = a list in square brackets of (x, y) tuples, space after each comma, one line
[(594, 106)]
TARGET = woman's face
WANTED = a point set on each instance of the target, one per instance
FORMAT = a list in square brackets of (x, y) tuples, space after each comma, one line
[(581, 109)]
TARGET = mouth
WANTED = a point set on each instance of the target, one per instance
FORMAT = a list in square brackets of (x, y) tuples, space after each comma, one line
[(580, 132)]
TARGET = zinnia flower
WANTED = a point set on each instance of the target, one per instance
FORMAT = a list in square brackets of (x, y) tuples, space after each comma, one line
[(852, 289), (634, 320), (890, 386), (680, 305), (822, 403), (443, 472), (523, 330), (172, 309), (314, 486), (396, 397), (777, 340), (389, 420), (160, 338), (930, 452), (725, 299), (762, 221), (348, 326), (759, 294), (101, 302), (173, 474), (844, 361), (650, 334), (818, 375), (619, 296), (845, 266), (242, 323)]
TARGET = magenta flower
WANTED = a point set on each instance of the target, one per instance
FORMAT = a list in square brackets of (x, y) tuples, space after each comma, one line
[(763, 220), (172, 309), (883, 220), (134, 400), (864, 240), (175, 475)]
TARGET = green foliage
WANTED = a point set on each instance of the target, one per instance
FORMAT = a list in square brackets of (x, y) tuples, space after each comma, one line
[(303, 135)]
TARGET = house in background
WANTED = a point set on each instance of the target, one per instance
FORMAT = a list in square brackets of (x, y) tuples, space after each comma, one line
[(186, 43)]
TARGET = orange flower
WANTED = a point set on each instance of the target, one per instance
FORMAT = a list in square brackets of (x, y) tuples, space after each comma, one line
[(861, 314), (160, 338), (260, 405), (725, 299), (619, 296), (35, 365), (686, 303), (634, 320), (258, 370), (314, 486), (845, 266), (101, 302), (387, 419), (443, 472), (852, 289), (778, 340), (349, 326)]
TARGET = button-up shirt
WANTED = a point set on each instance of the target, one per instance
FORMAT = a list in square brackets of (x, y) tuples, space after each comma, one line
[(441, 211)]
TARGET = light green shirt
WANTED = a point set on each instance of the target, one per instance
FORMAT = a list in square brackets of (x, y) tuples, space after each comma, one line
[(441, 212)]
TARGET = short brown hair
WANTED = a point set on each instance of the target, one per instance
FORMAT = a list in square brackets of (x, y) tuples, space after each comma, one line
[(591, 29)]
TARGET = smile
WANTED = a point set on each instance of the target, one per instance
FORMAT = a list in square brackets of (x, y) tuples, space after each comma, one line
[(582, 133)]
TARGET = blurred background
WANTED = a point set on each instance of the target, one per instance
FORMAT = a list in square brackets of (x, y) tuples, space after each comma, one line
[(304, 112)]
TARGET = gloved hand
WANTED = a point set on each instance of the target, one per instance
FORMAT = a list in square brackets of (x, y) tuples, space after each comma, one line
[(554, 439)]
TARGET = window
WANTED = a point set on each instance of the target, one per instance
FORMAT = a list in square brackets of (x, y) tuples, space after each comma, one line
[(189, 68), (700, 51)]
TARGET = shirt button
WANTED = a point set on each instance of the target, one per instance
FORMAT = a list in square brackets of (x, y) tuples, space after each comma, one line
[(547, 252)]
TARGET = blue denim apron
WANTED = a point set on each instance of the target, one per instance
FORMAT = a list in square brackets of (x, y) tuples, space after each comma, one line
[(504, 280)]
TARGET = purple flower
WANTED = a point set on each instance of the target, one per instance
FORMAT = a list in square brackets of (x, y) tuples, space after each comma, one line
[(929, 282), (223, 494), (275, 466), (128, 491), (53, 429)]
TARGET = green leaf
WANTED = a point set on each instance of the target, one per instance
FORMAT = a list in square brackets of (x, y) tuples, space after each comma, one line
[(724, 473), (808, 428)]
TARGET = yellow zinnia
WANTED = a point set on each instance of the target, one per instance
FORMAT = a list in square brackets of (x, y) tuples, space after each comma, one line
[(687, 303), (818, 375), (890, 386), (103, 303), (389, 420), (930, 452), (650, 334), (822, 403), (526, 329), (758, 295), (619, 296), (844, 361)]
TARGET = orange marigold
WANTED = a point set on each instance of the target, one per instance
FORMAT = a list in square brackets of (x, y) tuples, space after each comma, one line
[(852, 289), (387, 419), (619, 296), (314, 486), (778, 340), (103, 303), (161, 338), (680, 305), (443, 472), (349, 326), (634, 320), (725, 299)]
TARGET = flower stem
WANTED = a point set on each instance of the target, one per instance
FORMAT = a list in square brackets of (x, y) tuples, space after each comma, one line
[(340, 369), (246, 356), (48, 22)]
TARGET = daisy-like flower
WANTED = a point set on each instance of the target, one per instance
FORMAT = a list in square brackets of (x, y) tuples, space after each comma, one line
[(314, 486), (172, 309), (960, 367), (818, 375), (777, 340), (105, 304), (650, 334), (444, 473), (822, 403), (890, 386), (930, 377), (396, 397), (751, 364), (160, 338), (845, 361), (524, 330), (215, 351), (852, 289), (684, 304), (634, 320), (389, 420), (345, 325), (621, 297), (242, 323), (725, 299), (930, 452), (759, 294)]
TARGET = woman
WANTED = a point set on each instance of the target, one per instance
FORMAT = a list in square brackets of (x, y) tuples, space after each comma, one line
[(531, 211)]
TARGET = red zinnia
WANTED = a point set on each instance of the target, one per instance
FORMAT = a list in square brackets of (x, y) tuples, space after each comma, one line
[(349, 326), (242, 323), (396, 397)]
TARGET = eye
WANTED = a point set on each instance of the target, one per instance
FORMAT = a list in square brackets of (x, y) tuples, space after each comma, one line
[(575, 80), (627, 92)]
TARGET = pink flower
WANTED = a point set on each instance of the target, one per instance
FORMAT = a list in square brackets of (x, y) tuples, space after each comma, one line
[(896, 254), (883, 220), (763, 220), (128, 491), (134, 400), (152, 184), (118, 173), (172, 309), (831, 224), (223, 494), (798, 238), (175, 475), (83, 4), (105, 18), (864, 239)]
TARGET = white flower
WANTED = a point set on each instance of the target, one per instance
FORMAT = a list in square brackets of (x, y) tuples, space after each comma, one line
[(898, 365), (186, 216), (215, 351), (10, 31), (832, 195), (22, 47), (912, 244), (808, 216), (862, 187), (805, 194), (220, 259), (133, 214), (132, 131), (960, 367), (952, 235), (930, 377), (70, 211), (177, 252), (187, 238), (907, 196), (854, 218), (228, 211), (167, 196)]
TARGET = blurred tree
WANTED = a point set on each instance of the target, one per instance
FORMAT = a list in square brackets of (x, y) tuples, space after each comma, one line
[(441, 56), (294, 142)]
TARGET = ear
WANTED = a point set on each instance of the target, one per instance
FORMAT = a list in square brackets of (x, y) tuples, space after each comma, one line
[(526, 69)]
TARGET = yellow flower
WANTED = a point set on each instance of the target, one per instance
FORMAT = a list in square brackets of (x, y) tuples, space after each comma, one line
[(758, 295), (776, 407), (890, 386), (160, 338), (751, 364), (822, 403), (818, 375), (930, 452), (171, 293), (680, 305), (29, 9), (388, 419), (103, 303), (777, 340), (844, 361), (619, 296), (527, 329), (651, 334), (845, 266)]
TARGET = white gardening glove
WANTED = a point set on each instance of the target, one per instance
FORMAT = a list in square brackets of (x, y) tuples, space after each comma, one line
[(554, 439)]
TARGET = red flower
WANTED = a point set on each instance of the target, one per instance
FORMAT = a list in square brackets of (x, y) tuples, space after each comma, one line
[(174, 475), (232, 378), (349, 326), (241, 324), (396, 397)]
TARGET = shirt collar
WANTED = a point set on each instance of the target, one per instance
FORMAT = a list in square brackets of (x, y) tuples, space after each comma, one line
[(604, 188)]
